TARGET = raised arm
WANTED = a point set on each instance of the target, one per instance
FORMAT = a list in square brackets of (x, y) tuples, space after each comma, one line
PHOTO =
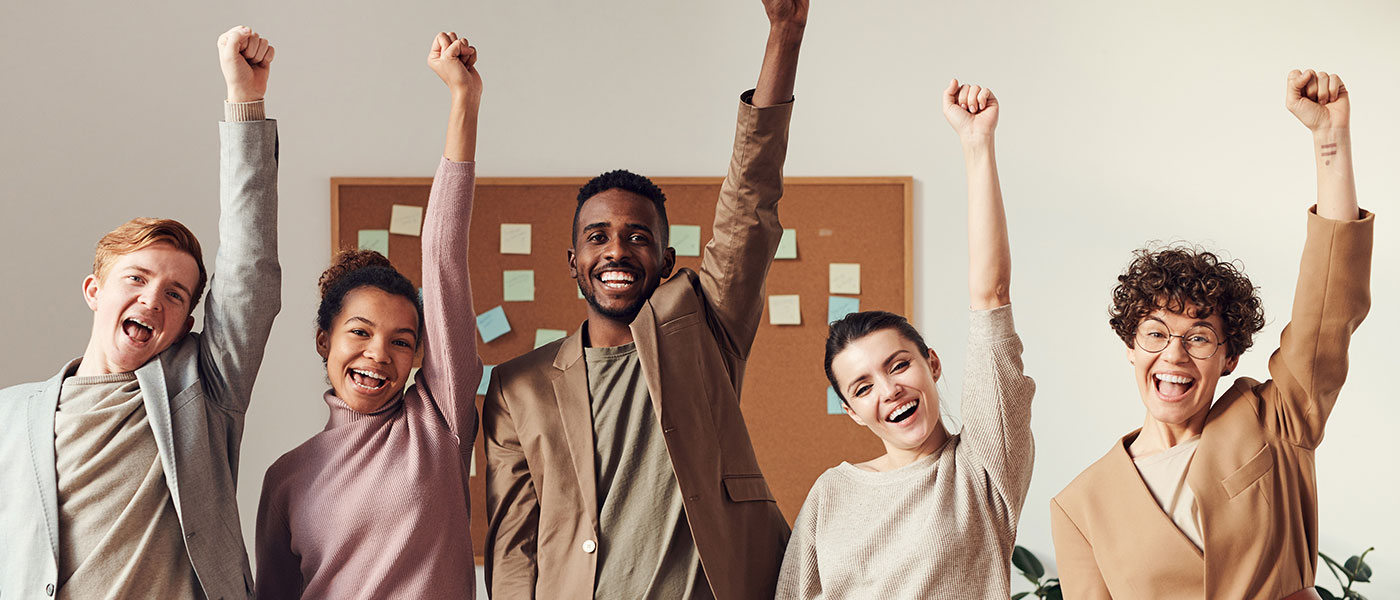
[(1321, 102), (245, 291), (1334, 276), (451, 368), (972, 110), (787, 19)]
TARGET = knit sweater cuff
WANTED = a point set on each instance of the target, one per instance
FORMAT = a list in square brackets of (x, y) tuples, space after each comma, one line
[(992, 324), (235, 112)]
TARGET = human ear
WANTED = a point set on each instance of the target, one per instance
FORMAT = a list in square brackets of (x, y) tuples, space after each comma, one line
[(323, 344), (1230, 364), (935, 366), (1132, 357), (573, 266), (668, 262), (852, 414), (90, 289)]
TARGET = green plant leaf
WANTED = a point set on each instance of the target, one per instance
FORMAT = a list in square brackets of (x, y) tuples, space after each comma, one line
[(1054, 593), (1019, 596), (1359, 570), (1326, 595), (1027, 562), (1332, 564)]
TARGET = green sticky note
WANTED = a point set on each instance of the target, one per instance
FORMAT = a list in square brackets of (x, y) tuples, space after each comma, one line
[(519, 286), (545, 336), (485, 379), (787, 246), (833, 402), (838, 307), (492, 324), (376, 240), (686, 239)]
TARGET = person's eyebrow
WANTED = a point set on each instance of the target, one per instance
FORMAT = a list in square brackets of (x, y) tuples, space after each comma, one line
[(360, 319), (148, 273)]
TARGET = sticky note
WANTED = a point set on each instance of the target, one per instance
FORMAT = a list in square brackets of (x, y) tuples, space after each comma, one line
[(833, 402), (545, 336), (686, 239), (492, 324), (472, 473), (787, 246), (485, 379), (784, 310), (845, 278), (406, 220), (840, 306), (515, 238), (579, 290), (519, 286), (376, 240)]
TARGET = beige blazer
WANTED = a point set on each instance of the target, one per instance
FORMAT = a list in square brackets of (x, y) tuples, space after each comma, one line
[(693, 338), (1253, 472)]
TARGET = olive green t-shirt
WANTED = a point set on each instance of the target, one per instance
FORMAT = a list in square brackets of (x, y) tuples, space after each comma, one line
[(645, 549)]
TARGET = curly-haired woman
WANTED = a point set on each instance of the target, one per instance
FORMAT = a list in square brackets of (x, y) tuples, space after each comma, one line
[(1219, 500), (376, 505)]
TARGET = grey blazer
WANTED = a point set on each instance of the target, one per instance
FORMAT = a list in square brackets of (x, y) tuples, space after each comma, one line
[(195, 395)]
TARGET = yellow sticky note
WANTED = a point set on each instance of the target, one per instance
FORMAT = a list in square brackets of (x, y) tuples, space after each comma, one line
[(472, 473), (545, 336), (784, 310), (845, 278), (686, 239), (515, 238), (519, 286), (787, 246), (406, 220)]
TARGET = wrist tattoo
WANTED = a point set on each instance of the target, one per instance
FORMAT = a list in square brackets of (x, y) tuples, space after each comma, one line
[(1328, 150)]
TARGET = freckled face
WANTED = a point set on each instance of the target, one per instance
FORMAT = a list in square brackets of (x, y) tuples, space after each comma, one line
[(141, 306), (1176, 387), (890, 388), (370, 348), (618, 257)]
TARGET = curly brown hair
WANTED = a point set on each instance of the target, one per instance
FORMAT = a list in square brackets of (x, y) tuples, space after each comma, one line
[(354, 269), (1178, 277)]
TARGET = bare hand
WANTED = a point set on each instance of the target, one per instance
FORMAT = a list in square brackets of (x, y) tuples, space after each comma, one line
[(245, 58), (786, 12), (970, 109), (454, 60), (1319, 100)]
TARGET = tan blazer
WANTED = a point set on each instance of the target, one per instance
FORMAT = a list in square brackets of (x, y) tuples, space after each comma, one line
[(1252, 474), (693, 338)]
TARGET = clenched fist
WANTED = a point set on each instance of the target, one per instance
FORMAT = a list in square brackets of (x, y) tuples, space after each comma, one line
[(454, 60), (971, 109), (245, 58), (1319, 100)]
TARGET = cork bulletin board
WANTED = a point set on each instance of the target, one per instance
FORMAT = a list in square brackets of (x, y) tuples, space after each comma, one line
[(796, 433)]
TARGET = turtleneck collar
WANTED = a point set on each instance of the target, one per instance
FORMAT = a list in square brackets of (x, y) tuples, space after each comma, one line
[(342, 414)]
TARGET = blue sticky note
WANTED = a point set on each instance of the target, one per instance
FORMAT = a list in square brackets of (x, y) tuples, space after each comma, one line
[(485, 379), (492, 324), (838, 307), (833, 402), (375, 239)]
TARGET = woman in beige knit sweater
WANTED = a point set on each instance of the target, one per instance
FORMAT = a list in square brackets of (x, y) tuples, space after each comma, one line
[(935, 516)]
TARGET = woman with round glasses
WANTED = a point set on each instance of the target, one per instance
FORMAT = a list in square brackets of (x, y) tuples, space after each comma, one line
[(1219, 500)]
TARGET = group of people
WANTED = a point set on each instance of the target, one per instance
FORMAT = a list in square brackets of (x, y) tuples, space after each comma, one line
[(618, 463)]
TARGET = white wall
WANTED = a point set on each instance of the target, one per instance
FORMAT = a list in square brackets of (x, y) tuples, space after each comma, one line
[(1122, 122)]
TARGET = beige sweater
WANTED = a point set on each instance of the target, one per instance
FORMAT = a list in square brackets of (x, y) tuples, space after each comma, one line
[(942, 527)]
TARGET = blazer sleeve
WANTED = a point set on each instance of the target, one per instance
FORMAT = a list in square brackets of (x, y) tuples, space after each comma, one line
[(996, 409), (245, 291), (735, 262), (279, 569), (1080, 578), (1332, 298), (451, 368), (512, 507)]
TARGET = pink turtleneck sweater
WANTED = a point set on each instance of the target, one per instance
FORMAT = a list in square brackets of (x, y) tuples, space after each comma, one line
[(376, 505)]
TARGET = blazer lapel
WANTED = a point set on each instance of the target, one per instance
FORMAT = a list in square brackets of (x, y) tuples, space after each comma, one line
[(644, 335), (576, 414), (1152, 527), (42, 406), (154, 396)]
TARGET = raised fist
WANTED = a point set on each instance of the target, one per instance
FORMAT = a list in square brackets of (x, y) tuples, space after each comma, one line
[(1319, 100), (970, 109), (789, 12), (454, 60), (245, 58)]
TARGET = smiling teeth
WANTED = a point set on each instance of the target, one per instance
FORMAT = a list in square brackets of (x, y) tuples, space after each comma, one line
[(370, 374), (903, 408), (616, 277), (141, 323), (1169, 378)]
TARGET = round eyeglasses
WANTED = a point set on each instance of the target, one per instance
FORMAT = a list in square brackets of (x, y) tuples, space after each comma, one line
[(1200, 342)]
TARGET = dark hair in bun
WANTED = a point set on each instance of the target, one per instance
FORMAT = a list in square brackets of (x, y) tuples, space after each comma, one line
[(354, 269)]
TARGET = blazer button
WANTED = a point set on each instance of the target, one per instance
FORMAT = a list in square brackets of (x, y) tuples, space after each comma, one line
[(589, 546)]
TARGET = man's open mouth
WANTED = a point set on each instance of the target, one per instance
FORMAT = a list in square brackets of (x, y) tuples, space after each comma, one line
[(617, 281), (139, 331)]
